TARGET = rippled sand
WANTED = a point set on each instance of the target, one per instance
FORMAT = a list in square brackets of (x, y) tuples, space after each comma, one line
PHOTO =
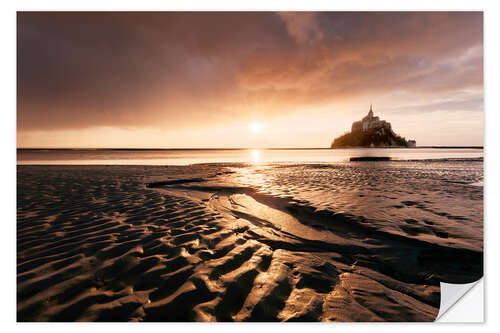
[(235, 242)]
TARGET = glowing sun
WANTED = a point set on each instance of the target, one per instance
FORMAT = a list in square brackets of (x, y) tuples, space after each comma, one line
[(255, 127)]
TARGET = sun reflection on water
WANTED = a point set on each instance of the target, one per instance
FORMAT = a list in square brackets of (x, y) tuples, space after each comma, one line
[(255, 156)]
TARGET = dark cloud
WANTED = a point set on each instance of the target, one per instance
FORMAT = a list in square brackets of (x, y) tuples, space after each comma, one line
[(79, 70)]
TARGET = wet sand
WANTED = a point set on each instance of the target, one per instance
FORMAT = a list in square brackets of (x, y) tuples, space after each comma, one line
[(201, 243)]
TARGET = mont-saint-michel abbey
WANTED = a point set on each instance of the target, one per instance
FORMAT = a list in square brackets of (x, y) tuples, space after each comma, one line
[(369, 122), (371, 131)]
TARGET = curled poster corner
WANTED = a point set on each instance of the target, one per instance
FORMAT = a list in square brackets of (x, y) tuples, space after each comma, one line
[(451, 294)]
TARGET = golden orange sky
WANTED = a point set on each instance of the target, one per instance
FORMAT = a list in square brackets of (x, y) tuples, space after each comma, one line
[(201, 79)]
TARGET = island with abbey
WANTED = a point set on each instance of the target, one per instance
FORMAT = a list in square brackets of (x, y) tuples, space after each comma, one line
[(371, 132)]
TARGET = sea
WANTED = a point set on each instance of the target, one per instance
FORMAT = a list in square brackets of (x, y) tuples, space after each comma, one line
[(254, 156)]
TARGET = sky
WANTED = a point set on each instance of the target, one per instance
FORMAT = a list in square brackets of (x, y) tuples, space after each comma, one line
[(245, 79)]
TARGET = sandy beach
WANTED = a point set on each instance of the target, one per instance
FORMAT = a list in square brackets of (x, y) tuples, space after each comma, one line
[(228, 243)]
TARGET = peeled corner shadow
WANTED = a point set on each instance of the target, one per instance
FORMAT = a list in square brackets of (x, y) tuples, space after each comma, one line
[(451, 295)]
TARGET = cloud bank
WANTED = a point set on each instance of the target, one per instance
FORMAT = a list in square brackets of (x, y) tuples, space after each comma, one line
[(173, 70)]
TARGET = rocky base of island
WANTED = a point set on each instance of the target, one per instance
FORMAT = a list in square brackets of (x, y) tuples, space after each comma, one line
[(370, 138)]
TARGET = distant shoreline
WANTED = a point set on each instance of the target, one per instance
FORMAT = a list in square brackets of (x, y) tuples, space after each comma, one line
[(222, 149)]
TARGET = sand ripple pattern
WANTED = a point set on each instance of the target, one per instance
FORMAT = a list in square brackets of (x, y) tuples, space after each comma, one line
[(95, 243)]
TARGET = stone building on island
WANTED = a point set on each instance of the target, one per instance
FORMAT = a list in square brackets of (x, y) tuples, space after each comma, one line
[(371, 131), (370, 122)]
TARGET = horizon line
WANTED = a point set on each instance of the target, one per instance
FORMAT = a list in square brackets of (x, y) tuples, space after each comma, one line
[(237, 148)]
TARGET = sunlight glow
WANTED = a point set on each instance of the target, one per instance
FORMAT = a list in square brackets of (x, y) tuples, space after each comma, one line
[(256, 127), (255, 156)]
